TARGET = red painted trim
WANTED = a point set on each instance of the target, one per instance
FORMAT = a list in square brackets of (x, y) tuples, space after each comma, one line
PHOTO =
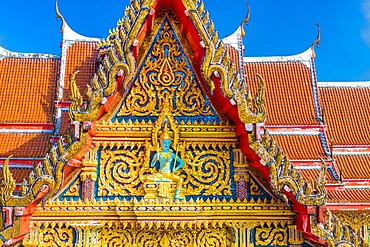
[(352, 148), (345, 207), (292, 128), (25, 126), (307, 163), (15, 161), (63, 104), (334, 187)]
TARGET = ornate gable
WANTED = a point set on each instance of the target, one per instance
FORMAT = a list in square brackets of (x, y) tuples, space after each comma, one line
[(166, 74)]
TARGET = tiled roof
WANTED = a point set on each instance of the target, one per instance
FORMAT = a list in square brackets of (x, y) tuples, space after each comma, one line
[(81, 56), (310, 175), (23, 145), (347, 114), (234, 55), (65, 122), (354, 166), (18, 173), (289, 91), (300, 147), (27, 89), (349, 196)]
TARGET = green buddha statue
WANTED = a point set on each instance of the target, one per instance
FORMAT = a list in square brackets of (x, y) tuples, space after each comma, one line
[(166, 163)]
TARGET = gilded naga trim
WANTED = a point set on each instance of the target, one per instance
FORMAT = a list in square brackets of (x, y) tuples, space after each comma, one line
[(283, 175)]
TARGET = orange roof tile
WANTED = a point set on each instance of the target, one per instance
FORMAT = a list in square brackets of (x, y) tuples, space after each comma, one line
[(23, 145), (27, 89), (18, 173), (65, 123), (349, 196), (234, 55), (81, 56), (310, 175), (354, 166), (289, 92), (346, 113), (300, 147)]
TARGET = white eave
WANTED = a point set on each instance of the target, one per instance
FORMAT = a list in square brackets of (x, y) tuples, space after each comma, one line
[(304, 58), (233, 39), (345, 84), (4, 53), (70, 35)]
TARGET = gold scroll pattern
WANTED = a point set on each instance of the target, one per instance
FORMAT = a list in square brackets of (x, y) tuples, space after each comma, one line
[(62, 237), (165, 74), (74, 189), (119, 172), (207, 171), (220, 237), (271, 236), (254, 188)]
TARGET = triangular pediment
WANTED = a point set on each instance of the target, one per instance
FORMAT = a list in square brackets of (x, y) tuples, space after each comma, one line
[(166, 74)]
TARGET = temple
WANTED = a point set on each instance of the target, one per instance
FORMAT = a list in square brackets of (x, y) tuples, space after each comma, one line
[(163, 134)]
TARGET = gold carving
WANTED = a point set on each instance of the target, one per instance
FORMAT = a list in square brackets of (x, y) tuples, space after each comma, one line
[(251, 110), (220, 237), (74, 189), (253, 187), (165, 75), (271, 236), (119, 171), (56, 237), (208, 169), (8, 184), (283, 174)]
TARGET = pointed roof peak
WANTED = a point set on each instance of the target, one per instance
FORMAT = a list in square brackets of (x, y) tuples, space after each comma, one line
[(69, 33)]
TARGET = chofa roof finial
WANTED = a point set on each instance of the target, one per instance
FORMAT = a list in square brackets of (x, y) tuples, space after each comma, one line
[(246, 19), (59, 16), (316, 42)]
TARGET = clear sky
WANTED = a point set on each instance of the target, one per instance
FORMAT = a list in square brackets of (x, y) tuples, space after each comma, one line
[(277, 28)]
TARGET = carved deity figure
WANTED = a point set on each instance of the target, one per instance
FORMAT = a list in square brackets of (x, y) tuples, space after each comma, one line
[(166, 163)]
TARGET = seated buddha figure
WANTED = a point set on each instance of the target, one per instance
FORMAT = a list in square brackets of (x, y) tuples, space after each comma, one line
[(166, 163)]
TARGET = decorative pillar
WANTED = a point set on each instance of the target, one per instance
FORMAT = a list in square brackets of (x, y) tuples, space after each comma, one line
[(295, 236), (242, 234), (240, 174), (32, 238), (88, 175), (87, 234)]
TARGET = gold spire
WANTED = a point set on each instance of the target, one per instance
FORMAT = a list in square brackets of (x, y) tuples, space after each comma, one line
[(246, 19), (316, 42), (59, 16)]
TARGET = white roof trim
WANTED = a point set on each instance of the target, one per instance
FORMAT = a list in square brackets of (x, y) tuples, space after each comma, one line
[(304, 57), (345, 84), (233, 39), (69, 34), (4, 53)]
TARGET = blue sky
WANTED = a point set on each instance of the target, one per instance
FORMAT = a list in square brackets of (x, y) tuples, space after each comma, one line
[(277, 27)]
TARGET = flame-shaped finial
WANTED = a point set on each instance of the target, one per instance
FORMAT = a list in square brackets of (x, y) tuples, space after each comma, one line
[(316, 42), (246, 19), (59, 16)]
